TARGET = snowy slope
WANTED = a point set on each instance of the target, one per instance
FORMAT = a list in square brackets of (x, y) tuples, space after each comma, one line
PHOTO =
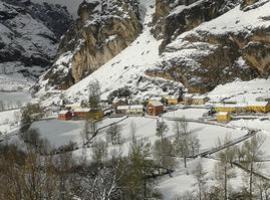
[(241, 91), (127, 68), (222, 49)]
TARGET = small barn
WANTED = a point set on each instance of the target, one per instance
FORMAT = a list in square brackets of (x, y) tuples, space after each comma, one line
[(223, 117), (65, 115), (171, 100), (195, 99), (199, 99), (187, 99), (155, 108)]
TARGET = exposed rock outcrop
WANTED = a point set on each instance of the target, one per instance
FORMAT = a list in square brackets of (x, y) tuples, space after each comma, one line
[(103, 30), (29, 34), (214, 53), (175, 17)]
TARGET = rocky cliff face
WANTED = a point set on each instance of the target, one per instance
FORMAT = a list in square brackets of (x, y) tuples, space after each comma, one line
[(201, 43), (233, 42), (175, 17), (103, 30), (29, 34)]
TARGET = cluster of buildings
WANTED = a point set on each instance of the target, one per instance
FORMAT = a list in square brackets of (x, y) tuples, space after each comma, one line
[(153, 108), (75, 111), (195, 99), (225, 109)]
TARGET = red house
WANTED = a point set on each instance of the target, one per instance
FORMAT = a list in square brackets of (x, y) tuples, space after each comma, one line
[(155, 108), (65, 115)]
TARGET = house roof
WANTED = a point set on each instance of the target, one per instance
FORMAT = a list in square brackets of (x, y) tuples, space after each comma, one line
[(63, 112), (222, 113), (82, 110), (130, 107), (156, 103), (122, 107), (75, 105)]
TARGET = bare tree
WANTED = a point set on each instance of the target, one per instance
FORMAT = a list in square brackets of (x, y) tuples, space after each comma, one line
[(100, 152), (252, 149), (114, 134), (226, 158), (199, 173), (163, 152), (29, 114), (94, 94), (161, 129), (263, 187), (185, 142), (2, 106)]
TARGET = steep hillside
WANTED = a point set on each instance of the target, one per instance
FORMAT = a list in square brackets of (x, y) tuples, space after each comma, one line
[(29, 35), (233, 45), (126, 70), (197, 44), (103, 30)]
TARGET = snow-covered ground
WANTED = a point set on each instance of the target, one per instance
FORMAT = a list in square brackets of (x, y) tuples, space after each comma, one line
[(59, 133), (264, 125), (14, 81), (237, 21), (241, 91), (189, 113), (183, 181), (9, 120), (15, 100)]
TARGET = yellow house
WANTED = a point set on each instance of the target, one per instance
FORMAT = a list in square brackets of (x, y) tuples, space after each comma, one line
[(225, 108), (259, 107), (223, 117)]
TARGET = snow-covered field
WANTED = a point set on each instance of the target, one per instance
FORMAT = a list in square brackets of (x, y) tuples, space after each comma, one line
[(59, 133), (14, 100)]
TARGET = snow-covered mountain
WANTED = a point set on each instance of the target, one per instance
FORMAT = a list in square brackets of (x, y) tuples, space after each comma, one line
[(29, 36), (157, 47)]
